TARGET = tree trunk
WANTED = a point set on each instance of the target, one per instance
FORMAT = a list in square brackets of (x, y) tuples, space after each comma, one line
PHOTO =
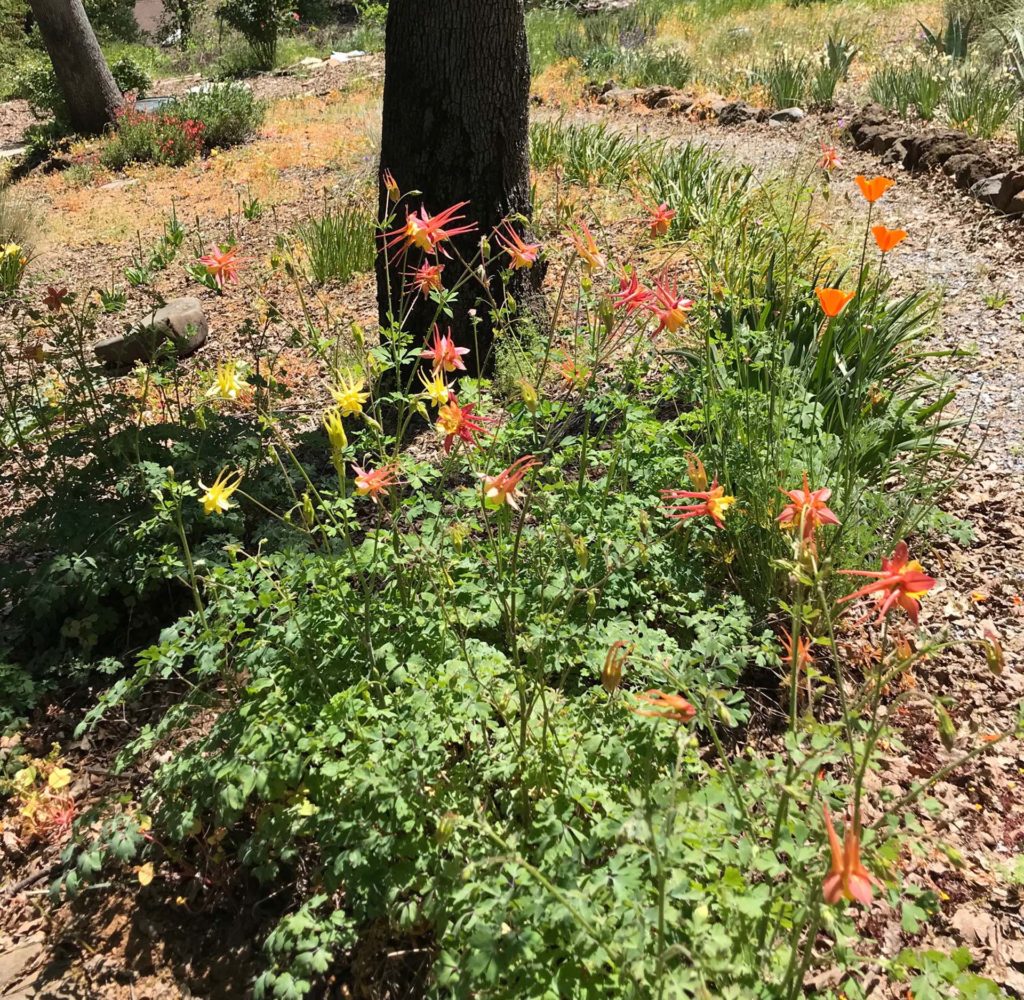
[(456, 127), (89, 91)]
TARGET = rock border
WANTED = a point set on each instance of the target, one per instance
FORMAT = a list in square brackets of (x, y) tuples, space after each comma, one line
[(971, 164)]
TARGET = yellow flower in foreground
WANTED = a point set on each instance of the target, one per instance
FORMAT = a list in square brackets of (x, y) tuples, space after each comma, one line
[(217, 497), (145, 873), (335, 429), (226, 384), (435, 389), (350, 397), (12, 250)]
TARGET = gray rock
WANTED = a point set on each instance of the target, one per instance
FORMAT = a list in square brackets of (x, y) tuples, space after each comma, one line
[(1016, 205), (652, 95), (620, 96), (737, 113), (896, 153), (975, 171), (677, 102), (118, 184), (788, 116), (12, 150), (17, 959), (181, 323)]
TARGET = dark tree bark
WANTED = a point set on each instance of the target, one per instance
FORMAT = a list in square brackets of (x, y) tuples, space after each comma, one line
[(88, 89), (456, 127)]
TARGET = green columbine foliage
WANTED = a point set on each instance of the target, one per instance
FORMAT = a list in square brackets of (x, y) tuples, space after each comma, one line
[(397, 705)]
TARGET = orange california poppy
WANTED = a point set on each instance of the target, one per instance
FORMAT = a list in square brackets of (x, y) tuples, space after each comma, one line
[(833, 300), (873, 189), (887, 239)]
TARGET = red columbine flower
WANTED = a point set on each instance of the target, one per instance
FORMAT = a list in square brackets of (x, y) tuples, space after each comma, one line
[(847, 877), (807, 509), (660, 220), (520, 254), (375, 482), (443, 352), (664, 706), (900, 581), (427, 278), (574, 374), (715, 503), (428, 232), (804, 657), (222, 265), (586, 247), (669, 306), (631, 294), (830, 158), (456, 421), (54, 298), (501, 489)]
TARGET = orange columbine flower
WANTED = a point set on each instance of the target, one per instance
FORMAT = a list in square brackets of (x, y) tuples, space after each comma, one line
[(833, 300), (374, 483), (664, 706), (455, 421), (887, 239), (631, 294), (804, 656), (221, 264), (614, 661), (391, 186), (660, 220), (586, 247), (807, 509), (574, 374), (427, 231), (873, 189), (830, 158), (715, 503), (501, 489), (520, 254), (847, 877), (444, 353), (900, 581), (669, 306), (427, 278)]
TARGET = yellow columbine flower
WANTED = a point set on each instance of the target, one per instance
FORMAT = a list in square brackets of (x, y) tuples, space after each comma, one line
[(335, 429), (227, 384), (12, 250), (350, 397), (217, 497), (435, 389)]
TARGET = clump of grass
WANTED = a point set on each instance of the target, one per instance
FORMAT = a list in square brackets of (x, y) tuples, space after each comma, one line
[(587, 154), (339, 243), (18, 220), (787, 80), (980, 101), (699, 185), (641, 67), (900, 88)]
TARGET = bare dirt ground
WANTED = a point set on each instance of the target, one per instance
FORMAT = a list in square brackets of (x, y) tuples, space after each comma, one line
[(120, 943)]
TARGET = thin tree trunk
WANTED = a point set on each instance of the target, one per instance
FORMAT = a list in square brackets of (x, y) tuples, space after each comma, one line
[(456, 127), (89, 91)]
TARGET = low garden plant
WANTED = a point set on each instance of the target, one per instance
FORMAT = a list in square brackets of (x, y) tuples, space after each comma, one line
[(571, 679)]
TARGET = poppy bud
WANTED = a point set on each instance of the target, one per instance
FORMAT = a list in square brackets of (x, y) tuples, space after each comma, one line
[(947, 731)]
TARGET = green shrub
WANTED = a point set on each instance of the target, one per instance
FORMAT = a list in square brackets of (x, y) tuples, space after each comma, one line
[(152, 138), (339, 243), (113, 19), (229, 113), (260, 22), (37, 84)]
